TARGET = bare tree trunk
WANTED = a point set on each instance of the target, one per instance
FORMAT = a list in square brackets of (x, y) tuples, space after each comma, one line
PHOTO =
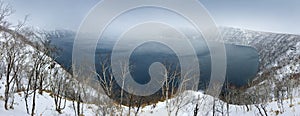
[(78, 104), (27, 94), (6, 94), (260, 112), (40, 87), (264, 109), (139, 106), (34, 92), (214, 107), (7, 85)]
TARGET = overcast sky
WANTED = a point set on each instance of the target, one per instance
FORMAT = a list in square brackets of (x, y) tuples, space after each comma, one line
[(264, 15)]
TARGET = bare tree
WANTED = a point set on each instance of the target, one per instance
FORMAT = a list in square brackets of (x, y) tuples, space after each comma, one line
[(11, 51), (175, 86), (15, 56), (106, 82), (125, 71), (58, 88), (81, 79), (183, 98), (17, 38), (196, 109), (139, 104), (5, 11), (105, 105), (37, 74), (105, 76)]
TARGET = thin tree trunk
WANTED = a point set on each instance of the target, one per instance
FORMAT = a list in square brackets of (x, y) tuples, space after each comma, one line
[(6, 92)]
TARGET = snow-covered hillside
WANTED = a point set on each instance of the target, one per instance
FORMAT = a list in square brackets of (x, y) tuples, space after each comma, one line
[(275, 49), (45, 107)]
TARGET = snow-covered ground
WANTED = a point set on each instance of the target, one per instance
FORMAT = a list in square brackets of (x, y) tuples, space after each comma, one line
[(234, 110), (45, 107)]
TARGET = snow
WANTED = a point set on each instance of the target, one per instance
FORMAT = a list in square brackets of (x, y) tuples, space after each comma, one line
[(45, 106), (234, 110)]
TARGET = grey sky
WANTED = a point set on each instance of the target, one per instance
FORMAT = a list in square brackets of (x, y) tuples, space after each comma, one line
[(265, 15)]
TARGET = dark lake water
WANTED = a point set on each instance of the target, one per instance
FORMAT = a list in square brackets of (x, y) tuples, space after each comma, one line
[(242, 61)]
